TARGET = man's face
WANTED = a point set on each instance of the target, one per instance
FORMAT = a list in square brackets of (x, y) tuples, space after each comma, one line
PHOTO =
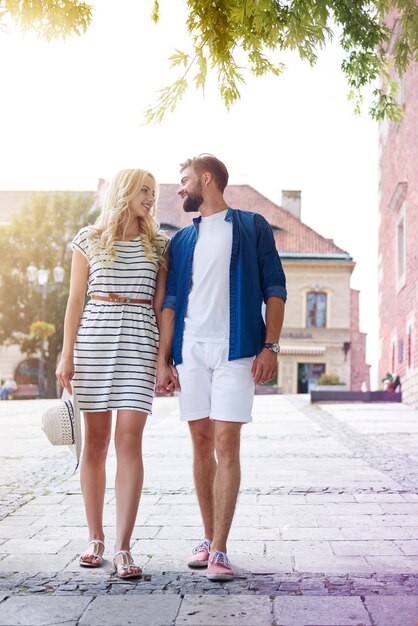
[(190, 190)]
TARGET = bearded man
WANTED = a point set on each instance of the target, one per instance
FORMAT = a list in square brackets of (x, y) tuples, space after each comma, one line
[(214, 344)]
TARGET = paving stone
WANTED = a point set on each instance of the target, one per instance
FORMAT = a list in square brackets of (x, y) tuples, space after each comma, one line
[(379, 533), (210, 611), (333, 564), (19, 520), (326, 611), (365, 548), (410, 497), (325, 498), (319, 534), (318, 548), (33, 546), (281, 499), (262, 565), (396, 508), (393, 564), (379, 497), (36, 562), (13, 532), (42, 610), (410, 548), (393, 611)]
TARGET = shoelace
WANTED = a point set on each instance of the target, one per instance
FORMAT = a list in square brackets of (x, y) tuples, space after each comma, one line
[(221, 558), (204, 545)]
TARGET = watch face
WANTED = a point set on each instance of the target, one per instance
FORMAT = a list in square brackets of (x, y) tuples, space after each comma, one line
[(274, 347)]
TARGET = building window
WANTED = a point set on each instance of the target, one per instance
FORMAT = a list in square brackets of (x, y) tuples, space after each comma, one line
[(393, 357), (401, 247), (400, 351), (316, 309), (409, 348)]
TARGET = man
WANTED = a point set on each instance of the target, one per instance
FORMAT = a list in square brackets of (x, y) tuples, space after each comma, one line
[(222, 267), (8, 388)]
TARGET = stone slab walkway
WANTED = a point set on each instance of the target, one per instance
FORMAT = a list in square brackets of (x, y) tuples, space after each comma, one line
[(325, 532)]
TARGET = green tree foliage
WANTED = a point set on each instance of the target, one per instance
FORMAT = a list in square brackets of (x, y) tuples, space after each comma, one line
[(257, 30), (50, 19), (220, 31), (41, 234)]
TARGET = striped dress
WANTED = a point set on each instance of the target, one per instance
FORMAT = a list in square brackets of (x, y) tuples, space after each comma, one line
[(116, 345)]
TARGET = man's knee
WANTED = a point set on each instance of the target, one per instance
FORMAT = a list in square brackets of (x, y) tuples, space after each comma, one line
[(203, 439), (227, 444)]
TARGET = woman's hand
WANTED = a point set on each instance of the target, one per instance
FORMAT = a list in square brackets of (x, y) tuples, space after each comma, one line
[(167, 379), (65, 372)]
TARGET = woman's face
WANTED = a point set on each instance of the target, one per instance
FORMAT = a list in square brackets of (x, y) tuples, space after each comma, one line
[(143, 202)]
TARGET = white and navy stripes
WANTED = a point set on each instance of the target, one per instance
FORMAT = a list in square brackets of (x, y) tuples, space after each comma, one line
[(116, 345)]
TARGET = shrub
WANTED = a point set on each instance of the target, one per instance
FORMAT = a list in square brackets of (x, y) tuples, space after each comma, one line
[(329, 379)]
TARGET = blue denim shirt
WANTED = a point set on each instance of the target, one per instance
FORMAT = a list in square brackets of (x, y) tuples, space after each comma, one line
[(255, 274)]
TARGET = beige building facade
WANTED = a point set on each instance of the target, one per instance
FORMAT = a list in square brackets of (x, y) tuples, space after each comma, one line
[(318, 342)]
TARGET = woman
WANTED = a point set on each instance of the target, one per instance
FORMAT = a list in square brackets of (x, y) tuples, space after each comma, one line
[(110, 348)]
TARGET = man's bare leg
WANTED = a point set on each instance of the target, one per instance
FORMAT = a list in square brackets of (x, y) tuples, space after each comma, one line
[(204, 469), (227, 480)]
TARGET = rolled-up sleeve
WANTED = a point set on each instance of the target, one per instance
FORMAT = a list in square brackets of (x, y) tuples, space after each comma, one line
[(272, 277), (171, 286)]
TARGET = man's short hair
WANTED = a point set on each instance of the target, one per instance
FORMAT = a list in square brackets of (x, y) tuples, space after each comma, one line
[(208, 163)]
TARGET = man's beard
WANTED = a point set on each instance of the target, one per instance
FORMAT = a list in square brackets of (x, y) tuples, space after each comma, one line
[(193, 203)]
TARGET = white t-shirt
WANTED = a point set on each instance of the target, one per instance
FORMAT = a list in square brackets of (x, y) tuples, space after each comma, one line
[(207, 317)]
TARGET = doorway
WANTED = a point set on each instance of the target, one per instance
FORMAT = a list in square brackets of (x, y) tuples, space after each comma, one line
[(308, 374)]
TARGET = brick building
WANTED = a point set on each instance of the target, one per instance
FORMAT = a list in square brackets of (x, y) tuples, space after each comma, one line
[(321, 329), (398, 236)]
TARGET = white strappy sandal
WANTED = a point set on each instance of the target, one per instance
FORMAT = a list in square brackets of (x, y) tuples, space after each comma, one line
[(94, 553), (127, 562)]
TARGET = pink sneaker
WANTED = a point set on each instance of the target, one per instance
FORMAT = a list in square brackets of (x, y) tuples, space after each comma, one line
[(200, 554), (219, 567)]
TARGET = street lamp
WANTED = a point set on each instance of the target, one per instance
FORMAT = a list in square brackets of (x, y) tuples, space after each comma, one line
[(38, 279)]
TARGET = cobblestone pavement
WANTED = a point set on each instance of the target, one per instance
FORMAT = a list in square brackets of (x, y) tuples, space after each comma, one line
[(325, 532)]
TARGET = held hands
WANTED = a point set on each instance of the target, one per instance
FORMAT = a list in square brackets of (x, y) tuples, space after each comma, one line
[(167, 379), (65, 372), (264, 367)]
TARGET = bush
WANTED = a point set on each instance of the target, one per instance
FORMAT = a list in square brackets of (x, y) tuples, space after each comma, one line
[(329, 379)]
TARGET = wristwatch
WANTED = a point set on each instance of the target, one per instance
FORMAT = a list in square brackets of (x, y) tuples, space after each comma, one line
[(273, 347)]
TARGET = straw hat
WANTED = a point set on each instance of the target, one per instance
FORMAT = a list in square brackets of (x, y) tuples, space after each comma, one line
[(61, 424)]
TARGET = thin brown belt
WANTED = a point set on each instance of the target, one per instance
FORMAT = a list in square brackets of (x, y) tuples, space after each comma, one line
[(113, 297)]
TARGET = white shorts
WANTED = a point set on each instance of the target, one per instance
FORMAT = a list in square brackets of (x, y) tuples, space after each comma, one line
[(212, 386)]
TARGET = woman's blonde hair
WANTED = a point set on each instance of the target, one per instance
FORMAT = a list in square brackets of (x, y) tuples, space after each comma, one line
[(122, 189)]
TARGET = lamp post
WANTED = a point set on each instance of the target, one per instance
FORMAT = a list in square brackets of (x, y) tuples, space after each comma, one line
[(38, 279)]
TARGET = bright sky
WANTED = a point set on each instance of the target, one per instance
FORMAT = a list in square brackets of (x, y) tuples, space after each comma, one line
[(72, 112)]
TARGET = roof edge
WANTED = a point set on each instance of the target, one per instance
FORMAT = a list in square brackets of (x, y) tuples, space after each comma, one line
[(316, 255)]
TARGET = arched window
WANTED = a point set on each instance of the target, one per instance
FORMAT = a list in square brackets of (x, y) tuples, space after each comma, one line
[(316, 309)]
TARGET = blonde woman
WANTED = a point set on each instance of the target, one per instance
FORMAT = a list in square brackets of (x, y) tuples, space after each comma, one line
[(110, 348)]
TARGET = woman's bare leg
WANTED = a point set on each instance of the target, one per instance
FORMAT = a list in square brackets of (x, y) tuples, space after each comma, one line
[(98, 428), (129, 475)]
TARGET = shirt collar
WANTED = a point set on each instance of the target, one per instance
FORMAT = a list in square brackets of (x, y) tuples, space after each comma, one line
[(228, 217)]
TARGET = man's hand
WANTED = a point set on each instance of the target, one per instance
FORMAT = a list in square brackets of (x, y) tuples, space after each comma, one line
[(167, 379), (264, 367)]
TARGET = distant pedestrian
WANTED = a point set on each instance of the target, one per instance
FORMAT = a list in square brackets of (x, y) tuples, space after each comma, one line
[(222, 268), (110, 349), (8, 388)]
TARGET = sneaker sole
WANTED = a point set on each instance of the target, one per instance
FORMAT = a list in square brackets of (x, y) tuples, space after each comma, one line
[(197, 564), (220, 577)]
